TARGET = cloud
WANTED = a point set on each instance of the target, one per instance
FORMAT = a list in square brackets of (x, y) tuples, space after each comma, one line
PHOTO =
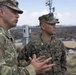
[(31, 18), (67, 18)]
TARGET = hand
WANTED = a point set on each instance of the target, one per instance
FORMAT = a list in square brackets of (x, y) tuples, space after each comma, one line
[(40, 64)]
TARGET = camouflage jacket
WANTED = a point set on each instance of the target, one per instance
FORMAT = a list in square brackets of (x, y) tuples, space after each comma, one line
[(8, 57), (54, 48)]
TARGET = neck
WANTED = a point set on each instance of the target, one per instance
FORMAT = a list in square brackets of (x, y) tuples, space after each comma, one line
[(2, 24), (46, 36)]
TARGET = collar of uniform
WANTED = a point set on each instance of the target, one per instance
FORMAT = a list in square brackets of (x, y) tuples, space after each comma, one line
[(45, 41), (6, 33)]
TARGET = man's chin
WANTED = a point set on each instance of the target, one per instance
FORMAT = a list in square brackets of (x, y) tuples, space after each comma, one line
[(13, 25)]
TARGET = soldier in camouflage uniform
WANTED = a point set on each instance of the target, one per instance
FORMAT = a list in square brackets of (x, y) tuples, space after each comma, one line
[(8, 56), (47, 44)]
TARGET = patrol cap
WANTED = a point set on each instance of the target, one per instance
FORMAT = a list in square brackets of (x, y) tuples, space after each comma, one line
[(13, 4), (49, 18)]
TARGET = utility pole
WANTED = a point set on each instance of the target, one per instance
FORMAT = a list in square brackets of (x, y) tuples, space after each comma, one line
[(26, 34)]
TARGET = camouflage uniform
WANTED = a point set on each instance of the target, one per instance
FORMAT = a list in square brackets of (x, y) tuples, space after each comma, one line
[(8, 57), (8, 54), (53, 48)]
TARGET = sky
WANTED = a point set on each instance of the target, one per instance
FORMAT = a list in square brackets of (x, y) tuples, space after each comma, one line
[(65, 11)]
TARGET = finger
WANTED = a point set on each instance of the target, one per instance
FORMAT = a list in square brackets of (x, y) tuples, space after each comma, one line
[(30, 58), (41, 57), (46, 61), (48, 66), (42, 60), (34, 57), (46, 69)]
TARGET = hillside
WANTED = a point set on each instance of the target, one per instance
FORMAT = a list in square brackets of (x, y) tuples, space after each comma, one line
[(63, 32)]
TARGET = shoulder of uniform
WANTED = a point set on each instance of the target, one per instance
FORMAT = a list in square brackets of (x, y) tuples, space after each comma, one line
[(56, 40), (1, 33), (2, 38)]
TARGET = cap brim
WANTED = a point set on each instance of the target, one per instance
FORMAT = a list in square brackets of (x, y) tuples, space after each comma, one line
[(15, 8), (53, 22)]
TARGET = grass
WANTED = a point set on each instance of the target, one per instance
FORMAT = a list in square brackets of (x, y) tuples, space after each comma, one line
[(18, 46), (71, 63)]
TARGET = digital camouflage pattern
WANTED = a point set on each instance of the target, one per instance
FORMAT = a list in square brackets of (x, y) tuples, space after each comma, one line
[(8, 57), (54, 48), (49, 18)]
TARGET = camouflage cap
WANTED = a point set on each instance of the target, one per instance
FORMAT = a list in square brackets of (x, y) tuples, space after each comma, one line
[(13, 4), (49, 18)]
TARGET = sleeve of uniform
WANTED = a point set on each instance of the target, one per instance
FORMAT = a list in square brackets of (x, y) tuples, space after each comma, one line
[(4, 70), (63, 59), (24, 55), (23, 58), (30, 69), (13, 70)]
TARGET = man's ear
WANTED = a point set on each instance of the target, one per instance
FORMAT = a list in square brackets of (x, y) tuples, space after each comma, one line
[(43, 26), (1, 12)]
